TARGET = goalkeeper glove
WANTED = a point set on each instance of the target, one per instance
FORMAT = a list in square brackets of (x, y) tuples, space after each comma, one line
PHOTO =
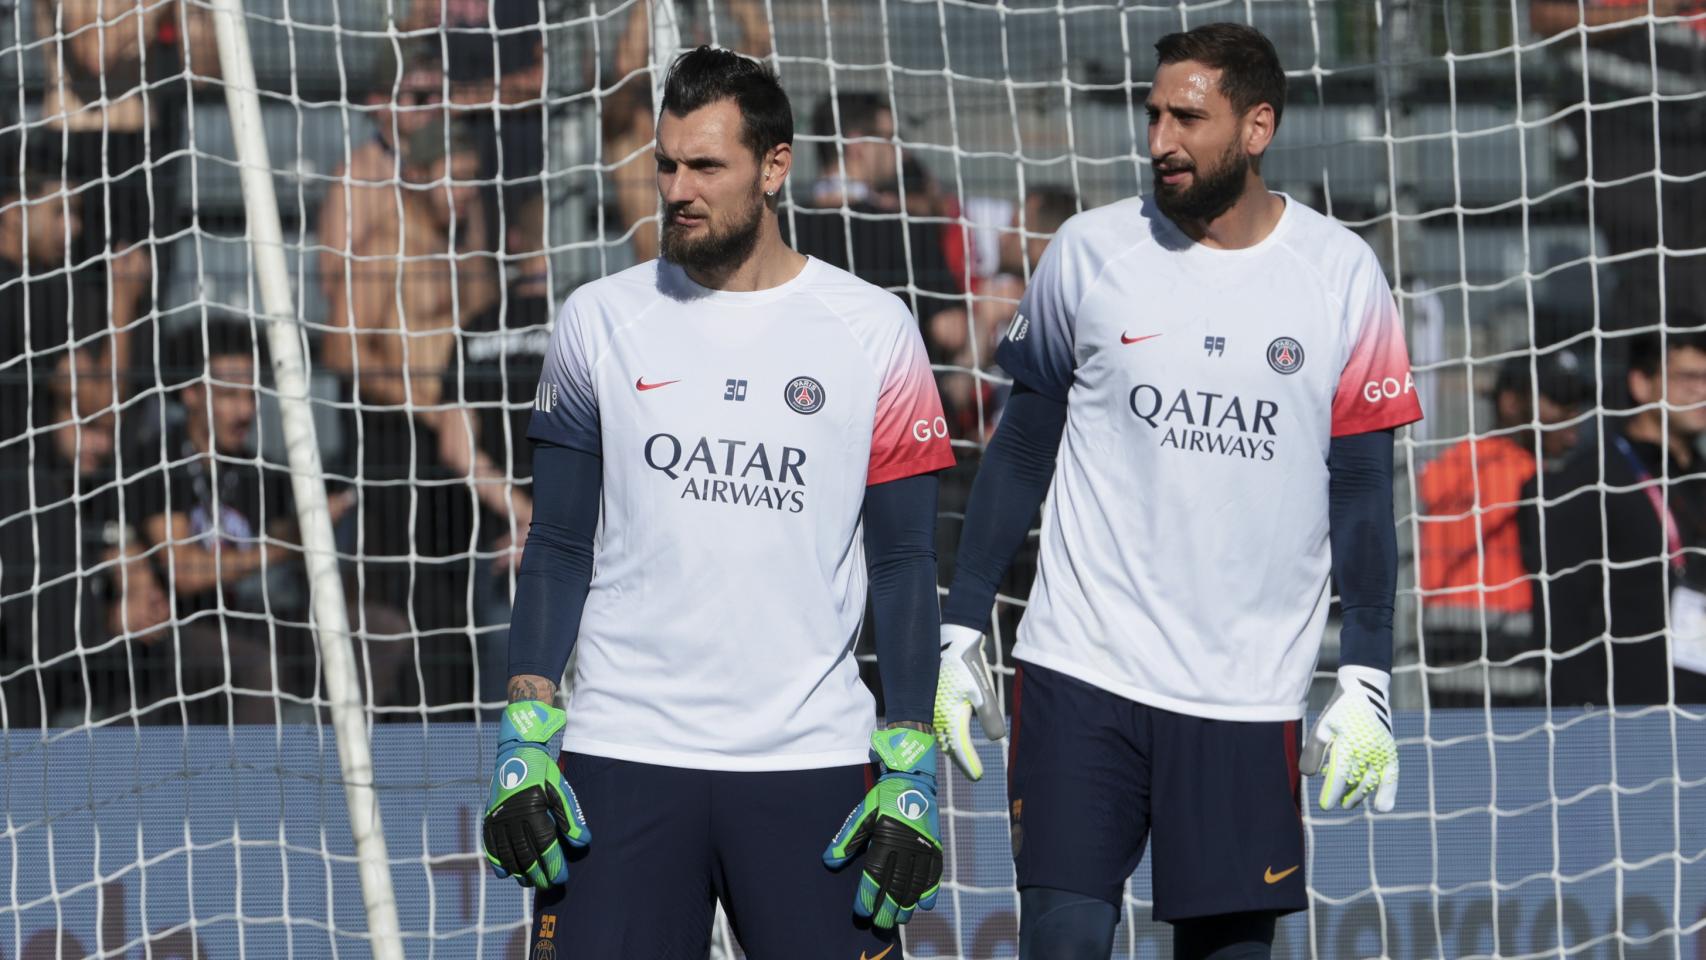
[(963, 685), (532, 812), (903, 859), (1355, 735)]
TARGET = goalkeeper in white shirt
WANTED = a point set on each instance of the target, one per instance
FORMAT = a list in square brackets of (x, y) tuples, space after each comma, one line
[(1210, 378), (733, 443)]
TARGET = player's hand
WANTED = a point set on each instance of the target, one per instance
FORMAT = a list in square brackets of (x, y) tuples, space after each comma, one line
[(1355, 735), (532, 812), (896, 825), (964, 685)]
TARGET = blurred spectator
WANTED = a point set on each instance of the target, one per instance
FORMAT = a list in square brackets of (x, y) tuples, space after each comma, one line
[(1631, 511), (1470, 552), (872, 238), (1046, 207), (1627, 59), (991, 236), (70, 576), (971, 400), (38, 217), (220, 526), (625, 115), (359, 210), (218, 522), (857, 164), (394, 335), (113, 120), (968, 340), (494, 60)]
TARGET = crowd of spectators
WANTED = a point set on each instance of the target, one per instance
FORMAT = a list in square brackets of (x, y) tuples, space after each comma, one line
[(150, 564)]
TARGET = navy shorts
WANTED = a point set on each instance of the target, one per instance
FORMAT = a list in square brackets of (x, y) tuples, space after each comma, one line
[(668, 843), (1093, 775)]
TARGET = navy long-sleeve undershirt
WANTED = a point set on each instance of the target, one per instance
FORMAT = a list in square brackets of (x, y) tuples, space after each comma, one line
[(556, 573), (1019, 466), (1365, 545), (1011, 483), (900, 551), (556, 564)]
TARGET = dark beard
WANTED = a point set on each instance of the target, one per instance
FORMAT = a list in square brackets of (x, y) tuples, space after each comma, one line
[(717, 253), (1213, 194)]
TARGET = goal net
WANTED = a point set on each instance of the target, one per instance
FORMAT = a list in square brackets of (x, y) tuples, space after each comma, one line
[(172, 781)]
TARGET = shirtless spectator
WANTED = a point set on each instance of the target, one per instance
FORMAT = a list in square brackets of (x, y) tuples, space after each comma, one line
[(360, 206), (114, 103), (628, 125), (395, 317), (494, 60)]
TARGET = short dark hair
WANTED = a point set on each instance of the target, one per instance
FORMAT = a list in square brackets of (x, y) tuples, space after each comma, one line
[(228, 333), (1250, 71), (706, 75), (858, 109), (1055, 205), (1647, 350), (388, 64), (31, 185), (1563, 377)]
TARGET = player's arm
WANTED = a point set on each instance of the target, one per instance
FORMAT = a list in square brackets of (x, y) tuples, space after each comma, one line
[(900, 552), (532, 815), (1011, 483), (1353, 739), (896, 826), (1039, 353)]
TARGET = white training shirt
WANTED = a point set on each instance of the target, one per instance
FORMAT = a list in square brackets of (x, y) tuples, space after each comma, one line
[(738, 433), (1184, 560)]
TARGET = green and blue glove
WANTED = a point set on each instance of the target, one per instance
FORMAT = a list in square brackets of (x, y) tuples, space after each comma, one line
[(897, 828), (1354, 740), (532, 816)]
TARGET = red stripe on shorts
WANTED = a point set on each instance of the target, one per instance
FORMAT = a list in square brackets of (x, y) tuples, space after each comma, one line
[(1293, 782), (1013, 734)]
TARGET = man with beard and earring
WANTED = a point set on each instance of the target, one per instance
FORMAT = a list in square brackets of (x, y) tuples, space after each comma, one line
[(762, 433), (1210, 377)]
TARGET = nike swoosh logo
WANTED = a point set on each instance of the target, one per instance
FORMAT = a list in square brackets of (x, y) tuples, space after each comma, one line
[(879, 956), (1129, 339), (641, 384), (1270, 876)]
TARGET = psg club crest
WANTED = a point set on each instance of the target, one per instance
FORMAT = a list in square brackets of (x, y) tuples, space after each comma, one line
[(804, 395), (1285, 355)]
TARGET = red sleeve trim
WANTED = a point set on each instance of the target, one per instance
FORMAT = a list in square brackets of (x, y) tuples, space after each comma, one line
[(939, 457), (1389, 419)]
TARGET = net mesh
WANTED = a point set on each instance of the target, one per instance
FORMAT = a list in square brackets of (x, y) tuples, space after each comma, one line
[(1530, 173)]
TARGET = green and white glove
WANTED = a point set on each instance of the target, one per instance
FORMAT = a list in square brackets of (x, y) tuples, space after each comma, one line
[(963, 685), (1355, 736), (897, 827), (531, 813)]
